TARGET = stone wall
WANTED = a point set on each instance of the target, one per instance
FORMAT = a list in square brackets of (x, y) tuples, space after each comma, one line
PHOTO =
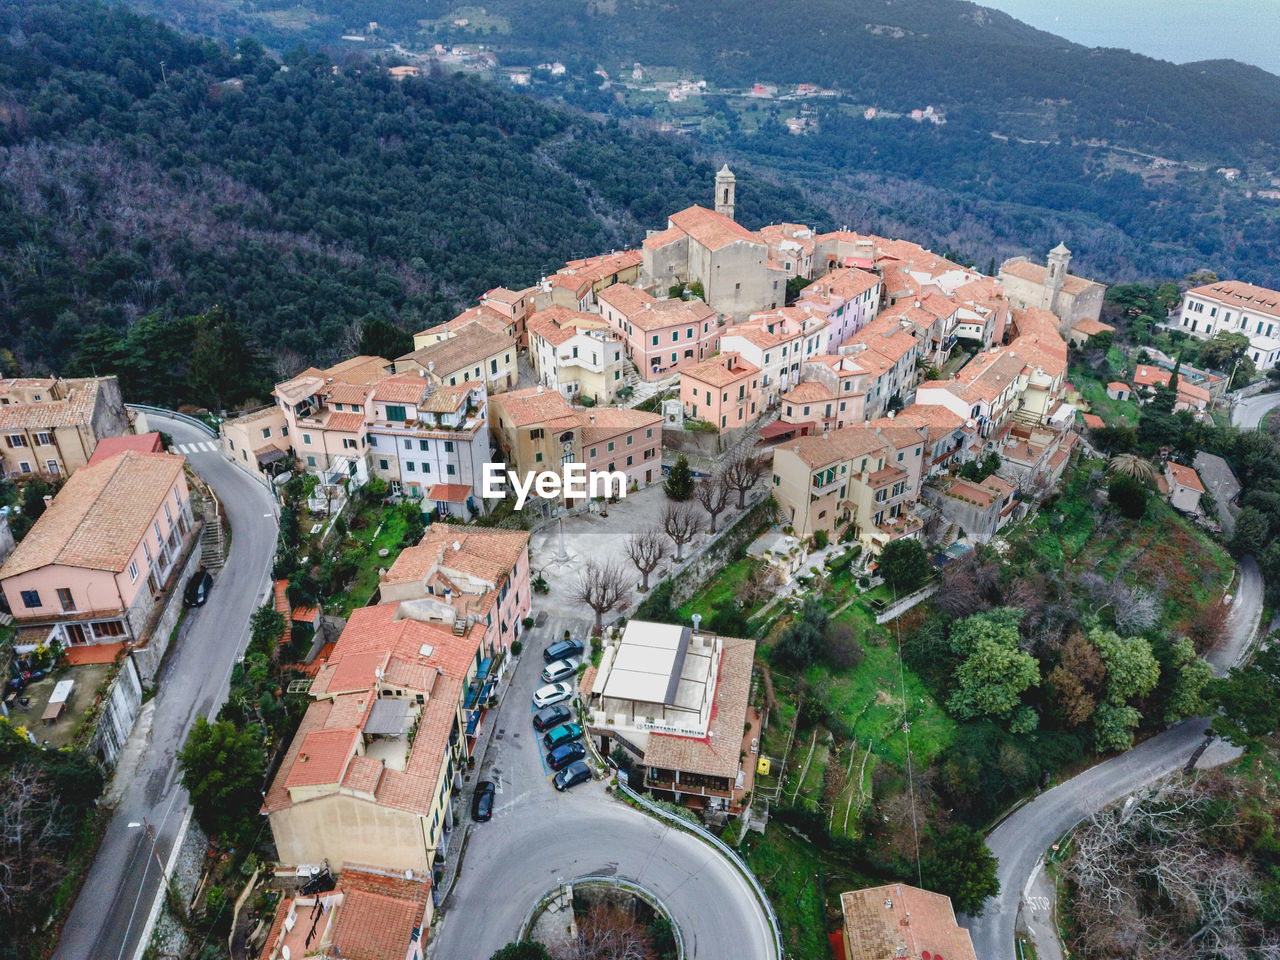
[(120, 709)]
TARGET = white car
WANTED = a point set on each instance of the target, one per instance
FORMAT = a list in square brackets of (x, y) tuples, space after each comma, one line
[(559, 670), (552, 693)]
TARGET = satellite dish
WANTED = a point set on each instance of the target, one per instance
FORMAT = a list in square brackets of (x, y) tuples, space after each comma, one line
[(284, 952)]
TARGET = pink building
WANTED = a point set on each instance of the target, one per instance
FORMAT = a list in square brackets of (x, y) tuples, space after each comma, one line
[(102, 554), (463, 576), (847, 299), (618, 439), (724, 391), (662, 336)]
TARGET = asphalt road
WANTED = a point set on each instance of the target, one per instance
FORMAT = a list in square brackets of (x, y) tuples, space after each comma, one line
[(538, 837), (1249, 413), (1020, 841), (111, 912)]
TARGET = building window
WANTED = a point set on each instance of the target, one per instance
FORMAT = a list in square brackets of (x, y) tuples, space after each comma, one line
[(655, 339), (450, 469), (43, 439), (15, 440), (31, 598), (311, 461), (382, 465), (629, 460), (649, 434), (64, 597), (423, 446), (535, 434), (396, 412), (348, 444), (266, 433), (537, 458), (409, 466), (448, 446), (306, 441), (108, 628), (133, 571)]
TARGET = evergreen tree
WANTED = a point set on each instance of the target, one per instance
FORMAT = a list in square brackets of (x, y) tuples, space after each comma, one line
[(679, 482)]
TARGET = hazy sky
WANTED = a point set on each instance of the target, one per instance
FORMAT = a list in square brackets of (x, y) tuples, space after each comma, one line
[(1177, 30)]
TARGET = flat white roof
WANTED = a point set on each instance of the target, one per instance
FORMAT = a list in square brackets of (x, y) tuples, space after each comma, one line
[(645, 663)]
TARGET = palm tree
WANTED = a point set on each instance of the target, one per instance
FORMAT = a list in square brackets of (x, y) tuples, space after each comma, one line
[(1131, 465)]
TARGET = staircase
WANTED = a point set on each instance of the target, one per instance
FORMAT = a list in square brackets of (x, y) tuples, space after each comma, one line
[(213, 544)]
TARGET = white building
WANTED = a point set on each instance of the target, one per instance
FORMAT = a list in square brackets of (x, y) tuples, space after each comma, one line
[(431, 443), (1231, 306), (576, 353), (778, 343)]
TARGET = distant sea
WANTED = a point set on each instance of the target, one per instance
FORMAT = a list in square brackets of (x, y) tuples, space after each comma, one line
[(1177, 30)]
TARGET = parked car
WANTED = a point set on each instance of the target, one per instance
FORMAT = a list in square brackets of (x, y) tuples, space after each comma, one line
[(198, 588), (552, 693), (565, 754), (565, 733), (551, 717), (571, 776), (559, 670), (562, 650), (482, 802)]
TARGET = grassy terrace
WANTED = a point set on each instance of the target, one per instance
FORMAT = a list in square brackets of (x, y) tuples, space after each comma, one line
[(1066, 536)]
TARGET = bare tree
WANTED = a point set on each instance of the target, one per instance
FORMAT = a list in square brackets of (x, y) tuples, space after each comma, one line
[(712, 495), (763, 581), (741, 474), (647, 548), (33, 833), (602, 586), (681, 524), (607, 933), (1136, 609)]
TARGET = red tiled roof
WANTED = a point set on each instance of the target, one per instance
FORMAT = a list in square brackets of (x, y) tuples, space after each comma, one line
[(450, 492), (1116, 386), (110, 446), (372, 926), (322, 758), (1185, 476), (1093, 421), (345, 422)]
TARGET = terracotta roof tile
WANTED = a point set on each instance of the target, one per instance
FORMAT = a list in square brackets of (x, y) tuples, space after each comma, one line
[(110, 446), (532, 405), (897, 920), (712, 230), (715, 755), (720, 370), (373, 926), (99, 515), (471, 345)]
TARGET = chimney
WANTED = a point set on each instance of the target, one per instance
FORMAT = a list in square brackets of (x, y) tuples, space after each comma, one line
[(431, 365), (697, 619), (539, 389), (47, 501), (421, 372), (592, 417)]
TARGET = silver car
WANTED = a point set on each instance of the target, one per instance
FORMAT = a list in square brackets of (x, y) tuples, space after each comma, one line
[(559, 670)]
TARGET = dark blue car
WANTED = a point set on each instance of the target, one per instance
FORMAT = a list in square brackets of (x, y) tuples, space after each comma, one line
[(565, 754)]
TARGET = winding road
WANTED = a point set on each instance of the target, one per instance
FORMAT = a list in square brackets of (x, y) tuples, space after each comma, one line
[(1022, 839), (114, 910), (538, 837), (1247, 414)]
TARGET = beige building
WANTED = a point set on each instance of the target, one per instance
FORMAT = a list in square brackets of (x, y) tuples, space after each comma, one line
[(538, 430), (577, 354), (51, 426), (94, 565), (370, 775), (257, 441), (868, 475), (677, 699), (708, 247), (1052, 287), (482, 351)]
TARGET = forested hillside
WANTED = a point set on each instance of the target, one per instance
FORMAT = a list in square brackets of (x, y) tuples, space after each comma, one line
[(1044, 140), (147, 177)]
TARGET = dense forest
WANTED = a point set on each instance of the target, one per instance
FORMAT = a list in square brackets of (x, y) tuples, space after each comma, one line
[(1045, 141), (147, 178)]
